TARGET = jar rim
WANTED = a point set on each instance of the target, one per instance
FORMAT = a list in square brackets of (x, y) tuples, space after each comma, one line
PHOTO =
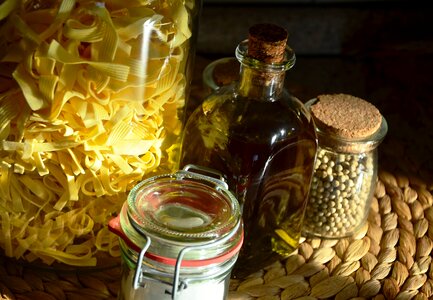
[(199, 262), (207, 76), (149, 220)]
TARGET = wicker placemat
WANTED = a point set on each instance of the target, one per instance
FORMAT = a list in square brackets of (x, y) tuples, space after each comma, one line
[(390, 258)]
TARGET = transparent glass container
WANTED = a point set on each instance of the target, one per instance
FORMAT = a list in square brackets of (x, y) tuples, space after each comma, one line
[(92, 98), (344, 179), (263, 140), (220, 72), (180, 237)]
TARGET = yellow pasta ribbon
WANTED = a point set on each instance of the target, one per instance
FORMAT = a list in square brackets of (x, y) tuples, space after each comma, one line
[(89, 96)]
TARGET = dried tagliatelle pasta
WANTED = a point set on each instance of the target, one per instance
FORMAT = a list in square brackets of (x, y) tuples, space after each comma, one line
[(92, 95)]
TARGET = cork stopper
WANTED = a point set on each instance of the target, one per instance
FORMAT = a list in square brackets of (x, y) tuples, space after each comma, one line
[(267, 43), (226, 72), (346, 116)]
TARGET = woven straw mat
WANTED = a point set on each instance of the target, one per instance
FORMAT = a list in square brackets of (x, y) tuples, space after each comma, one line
[(390, 258)]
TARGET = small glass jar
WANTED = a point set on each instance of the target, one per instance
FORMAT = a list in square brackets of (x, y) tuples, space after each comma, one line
[(180, 237), (220, 72), (343, 182)]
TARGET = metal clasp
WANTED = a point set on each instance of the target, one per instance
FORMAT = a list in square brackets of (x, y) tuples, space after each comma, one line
[(177, 284), (203, 174)]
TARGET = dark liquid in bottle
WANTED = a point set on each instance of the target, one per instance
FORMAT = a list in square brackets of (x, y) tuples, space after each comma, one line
[(267, 151)]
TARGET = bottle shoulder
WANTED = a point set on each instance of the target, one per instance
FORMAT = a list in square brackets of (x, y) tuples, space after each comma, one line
[(228, 100), (261, 121)]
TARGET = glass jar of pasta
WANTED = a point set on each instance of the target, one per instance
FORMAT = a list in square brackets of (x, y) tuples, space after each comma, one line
[(92, 98)]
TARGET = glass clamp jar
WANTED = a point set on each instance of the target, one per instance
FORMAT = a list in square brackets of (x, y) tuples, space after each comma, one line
[(349, 130), (180, 235)]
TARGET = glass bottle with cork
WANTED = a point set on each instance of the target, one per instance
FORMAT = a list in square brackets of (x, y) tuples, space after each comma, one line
[(263, 139)]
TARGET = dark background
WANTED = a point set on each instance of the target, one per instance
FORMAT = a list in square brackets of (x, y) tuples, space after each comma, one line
[(381, 51)]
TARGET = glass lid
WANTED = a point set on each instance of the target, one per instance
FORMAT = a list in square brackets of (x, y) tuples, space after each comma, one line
[(182, 208)]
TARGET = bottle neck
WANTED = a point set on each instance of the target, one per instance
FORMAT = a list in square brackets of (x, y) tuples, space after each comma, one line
[(260, 80), (260, 84)]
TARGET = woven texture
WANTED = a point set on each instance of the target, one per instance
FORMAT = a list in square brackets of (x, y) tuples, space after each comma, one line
[(390, 258)]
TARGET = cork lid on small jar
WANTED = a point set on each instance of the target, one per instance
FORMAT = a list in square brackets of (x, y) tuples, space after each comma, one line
[(348, 123)]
